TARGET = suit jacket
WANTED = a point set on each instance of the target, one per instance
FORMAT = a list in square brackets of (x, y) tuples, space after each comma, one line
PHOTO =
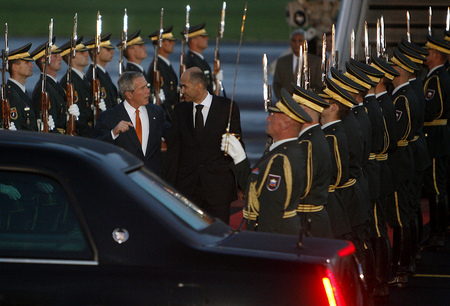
[(190, 160), (108, 90), (23, 113), (169, 84), (129, 141), (193, 60), (82, 97), (58, 104), (284, 74)]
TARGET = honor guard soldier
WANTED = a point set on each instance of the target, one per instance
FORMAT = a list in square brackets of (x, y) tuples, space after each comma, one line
[(135, 52), (108, 89), (197, 43), (447, 63), (57, 97), (274, 186), (82, 95), (169, 80), (436, 129), (379, 233), (23, 113), (312, 208), (330, 119), (402, 161)]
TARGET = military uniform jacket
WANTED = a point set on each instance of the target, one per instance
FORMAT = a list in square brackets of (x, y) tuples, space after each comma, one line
[(190, 160), (83, 98), (58, 104), (284, 74), (169, 84), (23, 113), (401, 160), (337, 143), (387, 183), (133, 67), (418, 144), (273, 189), (362, 117), (193, 60), (437, 106), (108, 90), (318, 164), (158, 127)]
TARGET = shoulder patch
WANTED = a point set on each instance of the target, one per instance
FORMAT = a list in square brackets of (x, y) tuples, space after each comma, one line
[(430, 94), (255, 171), (398, 114), (13, 113), (103, 93), (273, 182)]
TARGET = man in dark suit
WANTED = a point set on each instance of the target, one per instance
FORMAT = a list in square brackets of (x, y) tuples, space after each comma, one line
[(286, 68), (22, 112), (134, 124), (195, 163)]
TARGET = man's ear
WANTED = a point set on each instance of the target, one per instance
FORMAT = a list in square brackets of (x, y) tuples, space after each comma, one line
[(128, 95)]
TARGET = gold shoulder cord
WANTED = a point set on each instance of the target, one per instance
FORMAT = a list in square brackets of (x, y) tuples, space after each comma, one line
[(408, 129), (309, 169), (439, 90), (254, 192), (337, 157)]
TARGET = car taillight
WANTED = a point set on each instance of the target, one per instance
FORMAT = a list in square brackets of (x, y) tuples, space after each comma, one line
[(332, 289), (349, 249)]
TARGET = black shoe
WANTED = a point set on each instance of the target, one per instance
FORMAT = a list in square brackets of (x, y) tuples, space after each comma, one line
[(435, 242), (381, 293), (399, 280)]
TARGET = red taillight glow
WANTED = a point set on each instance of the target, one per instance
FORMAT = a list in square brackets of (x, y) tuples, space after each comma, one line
[(349, 249), (332, 290)]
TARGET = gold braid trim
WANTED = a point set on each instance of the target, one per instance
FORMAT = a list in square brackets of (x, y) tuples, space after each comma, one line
[(309, 208), (349, 183), (372, 156), (337, 157), (309, 169), (401, 142), (425, 88), (381, 157), (386, 138), (436, 122)]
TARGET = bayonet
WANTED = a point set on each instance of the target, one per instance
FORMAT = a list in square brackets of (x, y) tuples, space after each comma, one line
[(217, 64), (323, 66), (352, 44), (333, 46), (447, 21), (95, 80), (366, 43), (184, 43), (124, 38), (305, 66), (300, 67), (378, 39), (156, 72), (267, 94), (430, 13), (408, 26), (69, 86), (382, 37)]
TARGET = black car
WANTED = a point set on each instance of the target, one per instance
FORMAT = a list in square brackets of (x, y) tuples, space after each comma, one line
[(92, 226)]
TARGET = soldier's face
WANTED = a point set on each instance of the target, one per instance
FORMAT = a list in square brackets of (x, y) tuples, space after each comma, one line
[(296, 41), (140, 51), (24, 68), (167, 46), (105, 54), (55, 63), (202, 42), (81, 59), (275, 123)]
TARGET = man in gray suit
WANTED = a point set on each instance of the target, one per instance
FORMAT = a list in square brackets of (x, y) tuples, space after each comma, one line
[(286, 68)]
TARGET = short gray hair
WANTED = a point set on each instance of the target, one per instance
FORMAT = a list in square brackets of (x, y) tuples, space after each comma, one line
[(126, 82), (298, 31)]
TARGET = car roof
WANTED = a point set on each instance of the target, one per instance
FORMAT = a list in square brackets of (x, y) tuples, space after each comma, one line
[(86, 149)]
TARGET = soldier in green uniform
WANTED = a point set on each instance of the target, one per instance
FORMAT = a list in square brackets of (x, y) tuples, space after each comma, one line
[(58, 104), (275, 184), (82, 95), (437, 133), (169, 80), (109, 94), (312, 208), (197, 43), (23, 114)]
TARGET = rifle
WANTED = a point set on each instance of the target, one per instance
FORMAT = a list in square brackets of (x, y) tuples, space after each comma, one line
[(217, 65), (45, 99), (323, 64), (299, 67), (70, 88), (124, 41), (306, 82), (156, 72), (95, 80), (366, 43), (184, 42), (6, 108), (267, 94)]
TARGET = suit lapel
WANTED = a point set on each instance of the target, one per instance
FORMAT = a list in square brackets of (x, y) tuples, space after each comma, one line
[(151, 126)]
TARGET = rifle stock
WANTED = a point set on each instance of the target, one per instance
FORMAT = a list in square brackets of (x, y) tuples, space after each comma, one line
[(97, 97), (45, 102), (71, 121), (6, 110), (216, 70)]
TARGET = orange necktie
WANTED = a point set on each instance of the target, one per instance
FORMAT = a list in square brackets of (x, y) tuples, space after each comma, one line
[(138, 126)]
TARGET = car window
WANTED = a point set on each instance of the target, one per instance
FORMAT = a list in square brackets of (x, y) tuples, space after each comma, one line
[(173, 200), (37, 220)]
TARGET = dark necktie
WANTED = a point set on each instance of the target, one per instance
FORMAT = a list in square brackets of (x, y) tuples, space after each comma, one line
[(198, 121)]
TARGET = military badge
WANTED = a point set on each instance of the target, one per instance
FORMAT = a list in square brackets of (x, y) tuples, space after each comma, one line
[(255, 171), (273, 182), (103, 93), (162, 82), (398, 114), (430, 94), (75, 96), (13, 113)]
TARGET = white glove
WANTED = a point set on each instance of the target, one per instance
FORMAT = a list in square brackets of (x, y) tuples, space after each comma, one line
[(74, 110), (45, 187), (10, 191), (219, 75), (51, 123), (102, 105), (234, 148), (162, 96), (12, 127)]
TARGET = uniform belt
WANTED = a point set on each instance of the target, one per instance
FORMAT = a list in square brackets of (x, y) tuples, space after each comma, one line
[(253, 216), (349, 183), (309, 208), (436, 122), (381, 157), (402, 143), (372, 156), (415, 138)]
